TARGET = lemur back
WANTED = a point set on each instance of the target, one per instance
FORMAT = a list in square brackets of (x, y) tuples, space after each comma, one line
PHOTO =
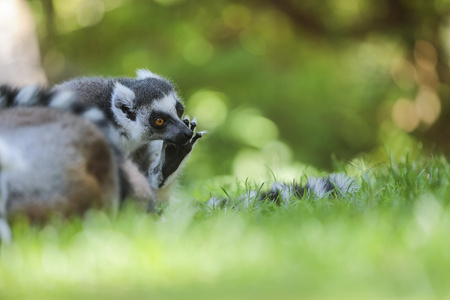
[(67, 163), (64, 165)]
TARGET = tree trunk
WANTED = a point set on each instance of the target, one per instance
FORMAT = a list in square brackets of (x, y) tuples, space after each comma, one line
[(19, 50)]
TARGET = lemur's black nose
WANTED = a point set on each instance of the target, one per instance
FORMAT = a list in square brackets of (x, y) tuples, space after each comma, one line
[(185, 135), (188, 135)]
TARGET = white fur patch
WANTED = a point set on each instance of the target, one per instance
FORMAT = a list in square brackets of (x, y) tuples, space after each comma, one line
[(317, 186), (154, 149), (343, 183), (139, 184), (62, 99), (132, 139), (10, 158), (27, 95), (286, 192), (94, 114), (130, 136), (215, 203), (122, 94), (114, 136), (128, 144), (249, 198), (144, 73), (167, 105)]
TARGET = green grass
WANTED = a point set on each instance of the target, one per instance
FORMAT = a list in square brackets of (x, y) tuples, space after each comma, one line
[(390, 240)]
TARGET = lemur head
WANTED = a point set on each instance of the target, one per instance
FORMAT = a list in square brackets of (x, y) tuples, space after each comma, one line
[(148, 108)]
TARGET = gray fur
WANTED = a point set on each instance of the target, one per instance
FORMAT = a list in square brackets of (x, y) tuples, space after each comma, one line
[(141, 97), (285, 191), (54, 161), (98, 91), (35, 96), (68, 165), (318, 186), (63, 100), (133, 105), (344, 184), (9, 160)]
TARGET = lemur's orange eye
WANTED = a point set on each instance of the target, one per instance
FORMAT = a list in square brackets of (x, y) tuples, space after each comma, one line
[(159, 121)]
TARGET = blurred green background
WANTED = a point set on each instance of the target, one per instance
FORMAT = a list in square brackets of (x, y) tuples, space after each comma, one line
[(282, 85)]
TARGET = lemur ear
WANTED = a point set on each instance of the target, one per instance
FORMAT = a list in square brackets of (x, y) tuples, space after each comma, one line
[(144, 73), (123, 99)]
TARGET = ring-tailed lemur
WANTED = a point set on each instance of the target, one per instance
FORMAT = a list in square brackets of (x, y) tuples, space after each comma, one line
[(148, 119), (282, 193), (55, 161)]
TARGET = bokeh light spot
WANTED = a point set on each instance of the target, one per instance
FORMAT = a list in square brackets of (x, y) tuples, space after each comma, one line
[(249, 163), (277, 153), (209, 108), (405, 115), (402, 72), (67, 9), (428, 105), (198, 51), (425, 55), (112, 4), (66, 15), (253, 129), (350, 12), (90, 13), (236, 16), (168, 2)]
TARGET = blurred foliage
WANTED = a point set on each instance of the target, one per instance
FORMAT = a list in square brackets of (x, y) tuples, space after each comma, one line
[(279, 85)]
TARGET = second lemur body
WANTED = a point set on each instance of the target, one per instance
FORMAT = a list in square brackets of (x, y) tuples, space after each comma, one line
[(56, 157), (148, 121)]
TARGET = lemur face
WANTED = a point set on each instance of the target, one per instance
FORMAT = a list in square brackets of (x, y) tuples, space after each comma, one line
[(147, 108), (165, 120)]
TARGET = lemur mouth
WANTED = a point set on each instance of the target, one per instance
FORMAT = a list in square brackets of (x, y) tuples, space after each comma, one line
[(179, 143)]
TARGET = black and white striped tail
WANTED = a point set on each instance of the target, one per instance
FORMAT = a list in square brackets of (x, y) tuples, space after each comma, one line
[(282, 193), (336, 184), (35, 96)]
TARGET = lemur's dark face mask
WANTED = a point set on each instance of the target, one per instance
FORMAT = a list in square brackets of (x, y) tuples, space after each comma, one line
[(170, 129)]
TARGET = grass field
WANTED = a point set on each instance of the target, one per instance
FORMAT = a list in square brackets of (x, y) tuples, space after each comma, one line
[(390, 240)]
